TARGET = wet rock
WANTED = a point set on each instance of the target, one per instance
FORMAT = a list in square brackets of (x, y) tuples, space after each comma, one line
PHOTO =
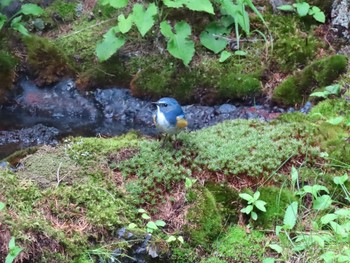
[(341, 18), (306, 108), (226, 109)]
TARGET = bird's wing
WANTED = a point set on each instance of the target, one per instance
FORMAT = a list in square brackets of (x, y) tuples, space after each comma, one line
[(181, 122)]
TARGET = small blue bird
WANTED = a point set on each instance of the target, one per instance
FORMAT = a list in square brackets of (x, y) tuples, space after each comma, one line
[(169, 117)]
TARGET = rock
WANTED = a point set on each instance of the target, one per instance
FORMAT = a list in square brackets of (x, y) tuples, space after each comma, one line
[(340, 15), (226, 109)]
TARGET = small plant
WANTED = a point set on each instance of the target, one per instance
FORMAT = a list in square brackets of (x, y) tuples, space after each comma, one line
[(253, 201), (304, 9), (174, 238), (15, 21), (328, 91), (151, 226)]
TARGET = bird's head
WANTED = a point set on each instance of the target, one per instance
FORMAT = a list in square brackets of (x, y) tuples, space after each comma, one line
[(167, 104)]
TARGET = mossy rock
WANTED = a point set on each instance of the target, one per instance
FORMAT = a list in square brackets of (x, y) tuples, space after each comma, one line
[(236, 245), (7, 73), (62, 10), (46, 62), (295, 89), (277, 200), (204, 219)]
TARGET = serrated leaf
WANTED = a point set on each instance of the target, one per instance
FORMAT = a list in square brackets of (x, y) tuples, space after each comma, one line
[(260, 205), (202, 5), (125, 24), (224, 56), (179, 45), (152, 225), (31, 9), (109, 45), (144, 19), (3, 19), (291, 215), (302, 8), (339, 180), (336, 120), (2, 205), (246, 197), (285, 8), (160, 223), (276, 248), (145, 216), (254, 216), (174, 4), (328, 218), (322, 202), (171, 239), (213, 37)]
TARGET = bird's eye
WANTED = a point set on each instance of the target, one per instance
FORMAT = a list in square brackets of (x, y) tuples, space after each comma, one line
[(165, 105)]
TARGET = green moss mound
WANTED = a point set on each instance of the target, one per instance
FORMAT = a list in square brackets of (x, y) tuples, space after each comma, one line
[(46, 62), (320, 73), (7, 72), (204, 219)]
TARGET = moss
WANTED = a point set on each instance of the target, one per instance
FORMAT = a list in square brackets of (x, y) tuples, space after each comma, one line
[(63, 10), (204, 219), (227, 200), (330, 108), (293, 48), (7, 72), (277, 200), (239, 246), (46, 62), (320, 73)]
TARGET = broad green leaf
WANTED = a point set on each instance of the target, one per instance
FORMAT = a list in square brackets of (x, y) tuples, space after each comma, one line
[(278, 230), (247, 210), (109, 45), (254, 216), (246, 197), (145, 216), (13, 253), (224, 56), (276, 247), (2, 205), (3, 19), (12, 244), (314, 10), (322, 202), (152, 225), (343, 212), (291, 215), (141, 210), (17, 25), (328, 257), (320, 94), (339, 180), (202, 5), (115, 3), (4, 3), (240, 53), (174, 3), (181, 239), (260, 205), (171, 239), (144, 19), (338, 229), (320, 17), (256, 195), (213, 37), (336, 120), (328, 218), (302, 8), (315, 189), (333, 89), (125, 24), (285, 8), (132, 226), (179, 45), (268, 260), (160, 223), (31, 9)]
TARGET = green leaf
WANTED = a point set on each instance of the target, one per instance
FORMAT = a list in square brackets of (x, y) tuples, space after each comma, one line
[(213, 37), (31, 9), (181, 239), (145, 216), (339, 180), (141, 210), (17, 25), (189, 182), (240, 53), (109, 45), (224, 56), (174, 3), (333, 89), (328, 218), (336, 120), (256, 195), (320, 17), (132, 226), (144, 19), (13, 254), (115, 3), (338, 229), (247, 209), (322, 202), (343, 212), (276, 248), (268, 260), (152, 225), (302, 8), (125, 24), (278, 230), (328, 257), (291, 215), (171, 239), (246, 197), (2, 205), (202, 5), (285, 8), (294, 175), (12, 244), (260, 205), (160, 223), (179, 45), (4, 3), (320, 94), (3, 19), (254, 216)]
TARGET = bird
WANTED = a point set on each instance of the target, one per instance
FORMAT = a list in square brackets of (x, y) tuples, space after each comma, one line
[(169, 117)]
